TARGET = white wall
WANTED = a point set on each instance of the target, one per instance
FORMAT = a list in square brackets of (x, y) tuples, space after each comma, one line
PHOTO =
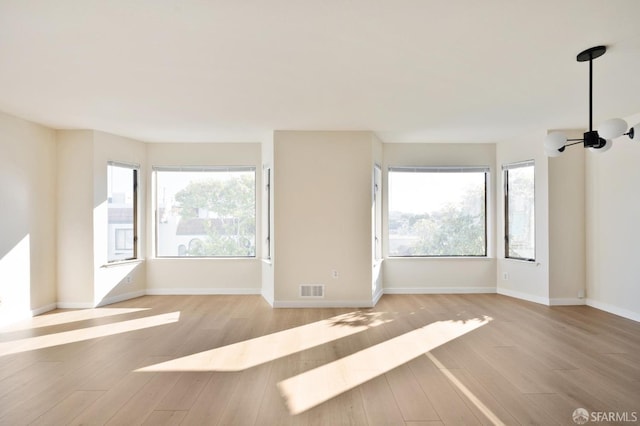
[(323, 216), (613, 227), (203, 276), (437, 275), (75, 218), (27, 218), (525, 280), (567, 270)]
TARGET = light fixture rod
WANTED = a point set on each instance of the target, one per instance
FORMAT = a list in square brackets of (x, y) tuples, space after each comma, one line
[(590, 55), (590, 94)]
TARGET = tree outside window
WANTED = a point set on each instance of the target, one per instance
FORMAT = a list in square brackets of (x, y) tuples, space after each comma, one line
[(207, 212), (437, 211)]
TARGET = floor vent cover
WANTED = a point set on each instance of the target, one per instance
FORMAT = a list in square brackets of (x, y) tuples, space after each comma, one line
[(311, 290)]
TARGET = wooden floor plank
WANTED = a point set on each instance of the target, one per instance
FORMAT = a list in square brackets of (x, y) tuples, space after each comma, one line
[(528, 364), (68, 408), (164, 418), (409, 396), (450, 407)]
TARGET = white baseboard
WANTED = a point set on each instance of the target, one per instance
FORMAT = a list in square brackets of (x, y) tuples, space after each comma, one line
[(267, 297), (120, 298), (41, 310), (523, 296), (566, 301), (377, 296), (321, 303), (439, 290), (75, 305), (202, 291), (625, 313)]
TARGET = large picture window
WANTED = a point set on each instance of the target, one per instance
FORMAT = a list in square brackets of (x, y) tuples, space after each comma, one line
[(205, 211), (437, 211), (122, 189), (519, 206)]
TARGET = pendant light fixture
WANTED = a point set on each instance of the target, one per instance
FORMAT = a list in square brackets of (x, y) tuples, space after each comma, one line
[(596, 140)]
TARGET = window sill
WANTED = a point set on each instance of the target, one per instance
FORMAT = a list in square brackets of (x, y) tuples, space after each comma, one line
[(123, 262), (522, 261), (203, 258), (479, 258)]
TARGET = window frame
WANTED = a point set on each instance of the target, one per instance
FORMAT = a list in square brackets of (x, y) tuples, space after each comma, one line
[(445, 169), (505, 173), (377, 213), (135, 168), (267, 194), (216, 168)]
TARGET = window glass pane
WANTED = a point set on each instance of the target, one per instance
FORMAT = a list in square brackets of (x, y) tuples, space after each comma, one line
[(206, 213), (437, 213), (520, 207), (121, 212)]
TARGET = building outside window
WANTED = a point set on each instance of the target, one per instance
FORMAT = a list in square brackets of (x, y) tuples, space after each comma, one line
[(122, 188), (205, 211), (437, 211)]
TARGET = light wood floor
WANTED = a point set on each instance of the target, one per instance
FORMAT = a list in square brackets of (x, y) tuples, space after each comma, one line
[(209, 360)]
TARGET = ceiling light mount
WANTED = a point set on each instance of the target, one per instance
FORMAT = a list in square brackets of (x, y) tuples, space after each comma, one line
[(591, 53), (595, 140)]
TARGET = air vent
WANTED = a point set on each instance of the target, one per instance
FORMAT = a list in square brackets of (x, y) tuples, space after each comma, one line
[(311, 290)]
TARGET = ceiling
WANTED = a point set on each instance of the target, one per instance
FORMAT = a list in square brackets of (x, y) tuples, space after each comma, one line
[(235, 70)]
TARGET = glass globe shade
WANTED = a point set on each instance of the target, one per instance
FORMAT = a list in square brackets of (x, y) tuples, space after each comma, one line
[(613, 128), (555, 141)]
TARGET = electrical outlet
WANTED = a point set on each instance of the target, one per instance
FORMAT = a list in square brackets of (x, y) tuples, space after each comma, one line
[(128, 279), (334, 274), (505, 276)]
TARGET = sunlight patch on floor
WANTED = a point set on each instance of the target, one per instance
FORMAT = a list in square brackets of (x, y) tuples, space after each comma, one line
[(65, 337), (250, 353), (316, 386)]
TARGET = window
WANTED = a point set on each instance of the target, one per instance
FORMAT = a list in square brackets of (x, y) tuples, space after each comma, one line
[(437, 211), (205, 211), (519, 211), (377, 213), (122, 188), (267, 195)]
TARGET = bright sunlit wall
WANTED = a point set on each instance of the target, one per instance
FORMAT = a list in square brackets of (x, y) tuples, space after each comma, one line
[(27, 218)]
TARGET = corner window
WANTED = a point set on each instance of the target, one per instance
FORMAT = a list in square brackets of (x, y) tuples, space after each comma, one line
[(437, 211), (205, 211), (519, 211), (122, 189)]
